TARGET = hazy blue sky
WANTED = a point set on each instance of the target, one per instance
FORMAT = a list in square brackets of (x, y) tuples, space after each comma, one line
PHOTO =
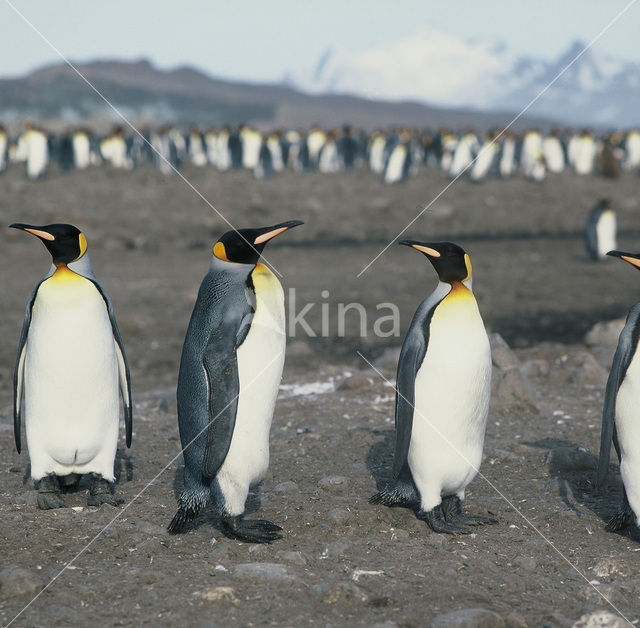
[(262, 41)]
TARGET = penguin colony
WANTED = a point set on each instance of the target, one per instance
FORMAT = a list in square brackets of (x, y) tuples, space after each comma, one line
[(71, 369), (393, 154)]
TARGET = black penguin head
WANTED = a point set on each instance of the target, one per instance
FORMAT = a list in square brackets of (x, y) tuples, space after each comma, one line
[(244, 246), (632, 258), (449, 260), (66, 243)]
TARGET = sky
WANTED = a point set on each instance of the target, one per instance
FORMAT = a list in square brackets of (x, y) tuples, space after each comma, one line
[(265, 41)]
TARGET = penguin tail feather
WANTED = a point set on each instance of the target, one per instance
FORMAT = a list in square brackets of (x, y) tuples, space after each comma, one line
[(181, 519), (396, 493), (621, 520)]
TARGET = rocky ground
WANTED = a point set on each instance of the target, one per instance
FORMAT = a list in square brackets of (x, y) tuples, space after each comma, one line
[(554, 319)]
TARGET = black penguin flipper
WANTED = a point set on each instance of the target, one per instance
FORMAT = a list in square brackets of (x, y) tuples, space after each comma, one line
[(625, 351), (19, 371), (591, 231), (221, 367), (123, 365), (413, 351)]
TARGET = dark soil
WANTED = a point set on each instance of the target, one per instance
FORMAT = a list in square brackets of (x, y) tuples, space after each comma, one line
[(342, 562)]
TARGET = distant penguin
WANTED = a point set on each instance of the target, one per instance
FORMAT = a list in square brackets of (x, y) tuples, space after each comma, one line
[(376, 152), (442, 398), (71, 364), (81, 149), (531, 156), (315, 141), (584, 153), (399, 163), (609, 159), (553, 152), (632, 150), (264, 168), (196, 149), (228, 383), (466, 148), (114, 150), (601, 231), (507, 156), (251, 143), (485, 159), (4, 148), (329, 160), (620, 420), (33, 148)]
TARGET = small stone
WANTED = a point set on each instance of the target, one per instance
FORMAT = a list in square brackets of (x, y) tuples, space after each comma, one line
[(219, 594), (262, 571), (571, 459), (607, 567), (293, 557), (526, 562), (286, 487), (332, 482), (339, 592), (515, 620), (501, 354), (19, 583), (535, 369), (585, 370), (388, 359), (359, 381), (468, 618), (600, 619), (592, 594), (336, 548), (340, 516), (605, 334)]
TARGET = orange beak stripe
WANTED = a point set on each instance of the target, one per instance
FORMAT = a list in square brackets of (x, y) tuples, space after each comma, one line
[(632, 260), (270, 234), (425, 249), (41, 234)]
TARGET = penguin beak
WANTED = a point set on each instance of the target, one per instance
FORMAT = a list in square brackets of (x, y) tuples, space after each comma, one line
[(272, 232), (43, 235), (423, 247), (632, 258)]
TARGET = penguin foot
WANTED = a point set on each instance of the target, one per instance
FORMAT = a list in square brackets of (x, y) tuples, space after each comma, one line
[(621, 520), (182, 519), (437, 523), (452, 512), (49, 496), (70, 482), (251, 530), (101, 492), (396, 493)]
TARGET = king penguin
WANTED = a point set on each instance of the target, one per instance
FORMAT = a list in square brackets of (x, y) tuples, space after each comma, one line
[(442, 398), (620, 422), (71, 363), (600, 231), (228, 382)]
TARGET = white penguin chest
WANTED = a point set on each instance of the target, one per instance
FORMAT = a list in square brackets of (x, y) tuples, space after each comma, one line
[(453, 383), (606, 233), (627, 415), (260, 361)]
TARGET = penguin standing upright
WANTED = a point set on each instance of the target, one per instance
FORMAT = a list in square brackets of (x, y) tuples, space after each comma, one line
[(442, 398), (230, 371), (600, 231), (71, 363), (620, 422)]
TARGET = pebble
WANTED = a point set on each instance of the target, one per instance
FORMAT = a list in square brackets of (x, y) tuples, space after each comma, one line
[(607, 567), (337, 548), (286, 487), (526, 562), (332, 482), (340, 516), (293, 557), (571, 459), (219, 594), (359, 381), (262, 571), (468, 618), (340, 591), (19, 583), (600, 619)]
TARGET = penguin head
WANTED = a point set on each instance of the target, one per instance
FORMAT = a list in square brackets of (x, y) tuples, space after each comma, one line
[(244, 246), (632, 258), (449, 260), (66, 243)]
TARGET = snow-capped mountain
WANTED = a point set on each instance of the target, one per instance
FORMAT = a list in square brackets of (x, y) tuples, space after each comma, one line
[(441, 69)]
